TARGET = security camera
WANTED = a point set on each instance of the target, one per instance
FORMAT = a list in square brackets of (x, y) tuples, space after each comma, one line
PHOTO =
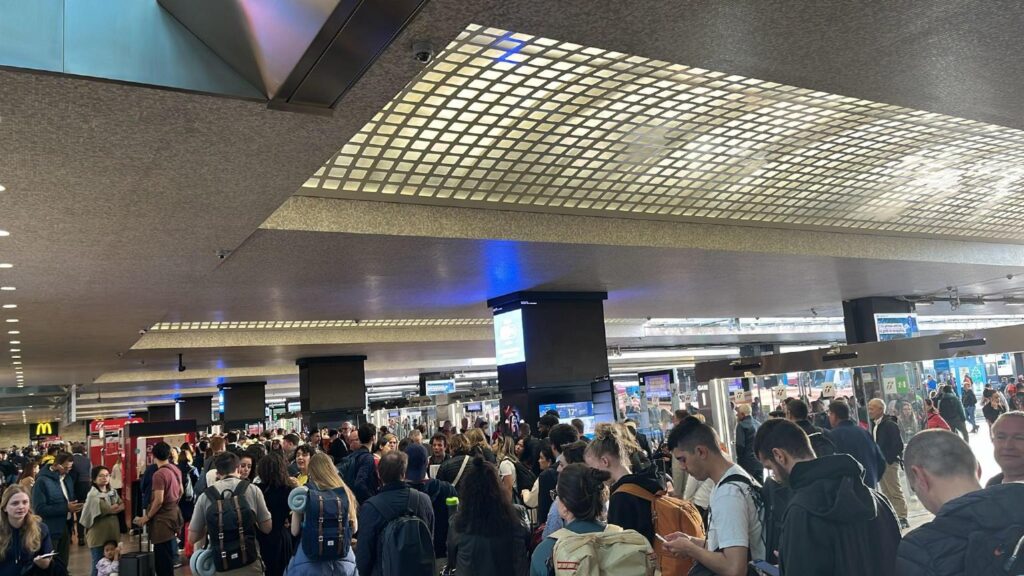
[(181, 367), (223, 254), (423, 51), (143, 331)]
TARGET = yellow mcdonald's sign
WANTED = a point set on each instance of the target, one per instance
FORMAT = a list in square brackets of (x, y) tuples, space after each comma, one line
[(43, 430)]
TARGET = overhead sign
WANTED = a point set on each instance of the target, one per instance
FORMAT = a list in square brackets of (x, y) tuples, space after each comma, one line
[(111, 425), (43, 430), (895, 326), (435, 387)]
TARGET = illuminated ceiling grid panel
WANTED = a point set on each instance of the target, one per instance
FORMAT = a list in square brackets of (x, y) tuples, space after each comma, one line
[(510, 120), (306, 324)]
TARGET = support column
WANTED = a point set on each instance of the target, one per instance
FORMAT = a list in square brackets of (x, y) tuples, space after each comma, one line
[(551, 349), (332, 389)]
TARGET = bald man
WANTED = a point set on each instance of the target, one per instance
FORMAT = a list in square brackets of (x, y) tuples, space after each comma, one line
[(886, 433)]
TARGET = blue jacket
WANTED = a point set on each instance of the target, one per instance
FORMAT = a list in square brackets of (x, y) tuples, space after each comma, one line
[(48, 500), (851, 439), (377, 512)]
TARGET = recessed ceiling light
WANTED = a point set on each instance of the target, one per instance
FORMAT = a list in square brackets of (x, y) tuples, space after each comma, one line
[(15, 349), (15, 341), (13, 332), (9, 306), (8, 288), (2, 189), (12, 320), (6, 265), (16, 362), (4, 233), (31, 394), (16, 357)]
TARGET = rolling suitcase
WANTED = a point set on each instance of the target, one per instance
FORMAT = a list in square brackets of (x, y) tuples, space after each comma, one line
[(141, 563)]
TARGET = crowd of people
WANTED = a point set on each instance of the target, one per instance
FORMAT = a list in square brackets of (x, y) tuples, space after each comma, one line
[(804, 498)]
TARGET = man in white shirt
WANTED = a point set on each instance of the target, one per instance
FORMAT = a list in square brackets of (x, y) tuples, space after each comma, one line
[(735, 527)]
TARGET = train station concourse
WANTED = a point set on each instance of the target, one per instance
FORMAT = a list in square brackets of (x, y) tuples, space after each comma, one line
[(251, 216)]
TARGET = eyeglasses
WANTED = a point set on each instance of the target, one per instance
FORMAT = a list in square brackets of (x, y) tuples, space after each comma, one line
[(553, 493)]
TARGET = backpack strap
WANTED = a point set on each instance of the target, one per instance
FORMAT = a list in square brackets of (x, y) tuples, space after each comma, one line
[(241, 522), (560, 533), (465, 460), (637, 491)]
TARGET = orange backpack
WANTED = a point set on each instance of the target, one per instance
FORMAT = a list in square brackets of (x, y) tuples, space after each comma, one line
[(670, 514)]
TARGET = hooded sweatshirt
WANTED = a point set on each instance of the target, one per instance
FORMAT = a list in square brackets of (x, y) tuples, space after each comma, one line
[(632, 512), (834, 524)]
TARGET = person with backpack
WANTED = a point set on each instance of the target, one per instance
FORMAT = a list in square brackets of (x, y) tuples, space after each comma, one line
[(359, 469), (974, 531), (514, 474), (396, 525), (487, 535), (581, 502), (629, 505), (324, 517), (437, 490), (162, 515), (833, 523), (932, 419), (735, 526), (230, 511), (970, 401)]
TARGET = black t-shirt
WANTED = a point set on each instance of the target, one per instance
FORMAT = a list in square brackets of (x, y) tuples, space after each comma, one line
[(547, 481)]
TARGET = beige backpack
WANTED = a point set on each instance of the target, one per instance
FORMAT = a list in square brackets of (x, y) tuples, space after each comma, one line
[(614, 552)]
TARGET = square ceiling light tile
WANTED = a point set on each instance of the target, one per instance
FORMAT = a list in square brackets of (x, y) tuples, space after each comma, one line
[(512, 121)]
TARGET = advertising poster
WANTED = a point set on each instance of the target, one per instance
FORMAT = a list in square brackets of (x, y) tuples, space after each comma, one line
[(569, 410)]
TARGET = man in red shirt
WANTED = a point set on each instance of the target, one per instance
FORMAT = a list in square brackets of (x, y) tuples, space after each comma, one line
[(163, 515)]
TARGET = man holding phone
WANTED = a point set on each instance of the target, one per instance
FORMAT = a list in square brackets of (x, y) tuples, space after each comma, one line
[(53, 499)]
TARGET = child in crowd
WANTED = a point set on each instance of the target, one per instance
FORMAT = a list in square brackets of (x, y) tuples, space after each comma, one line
[(109, 564)]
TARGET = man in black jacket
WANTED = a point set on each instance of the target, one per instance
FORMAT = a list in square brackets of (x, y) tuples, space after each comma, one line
[(394, 499), (834, 523), (745, 430), (943, 472), (886, 433), (821, 439), (952, 411)]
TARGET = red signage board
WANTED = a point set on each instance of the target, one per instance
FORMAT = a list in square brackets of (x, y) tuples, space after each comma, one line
[(111, 425)]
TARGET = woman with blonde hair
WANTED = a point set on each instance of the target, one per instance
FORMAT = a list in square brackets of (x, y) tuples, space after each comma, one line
[(611, 451), (387, 443), (478, 445), (23, 535), (505, 446), (324, 481)]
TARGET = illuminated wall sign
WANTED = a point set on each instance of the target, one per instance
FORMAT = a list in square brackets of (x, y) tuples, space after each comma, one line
[(509, 346)]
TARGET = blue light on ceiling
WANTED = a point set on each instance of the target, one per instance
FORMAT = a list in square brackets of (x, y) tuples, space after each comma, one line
[(519, 44)]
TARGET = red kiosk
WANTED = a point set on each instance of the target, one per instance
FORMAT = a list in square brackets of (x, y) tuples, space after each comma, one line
[(139, 439)]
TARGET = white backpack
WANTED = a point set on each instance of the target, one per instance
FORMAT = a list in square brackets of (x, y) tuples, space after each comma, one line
[(614, 552)]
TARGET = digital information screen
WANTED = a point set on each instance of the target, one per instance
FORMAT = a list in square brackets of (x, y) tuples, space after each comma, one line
[(435, 387), (658, 385), (509, 347), (474, 407), (569, 410)]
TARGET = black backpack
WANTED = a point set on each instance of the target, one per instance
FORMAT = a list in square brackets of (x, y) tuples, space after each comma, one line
[(998, 553), (405, 546), (231, 525), (524, 477), (326, 531), (348, 469)]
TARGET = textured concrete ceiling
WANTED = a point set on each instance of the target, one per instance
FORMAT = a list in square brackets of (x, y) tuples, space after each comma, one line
[(118, 197)]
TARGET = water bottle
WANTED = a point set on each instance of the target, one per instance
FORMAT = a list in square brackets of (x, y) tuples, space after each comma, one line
[(453, 504)]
